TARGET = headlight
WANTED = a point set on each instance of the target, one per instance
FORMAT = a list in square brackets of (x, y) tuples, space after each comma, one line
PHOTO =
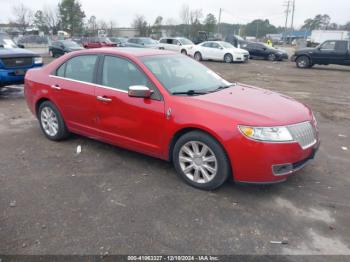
[(270, 134), (38, 60)]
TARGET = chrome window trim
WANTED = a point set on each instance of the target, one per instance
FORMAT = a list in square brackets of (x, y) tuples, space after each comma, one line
[(89, 83)]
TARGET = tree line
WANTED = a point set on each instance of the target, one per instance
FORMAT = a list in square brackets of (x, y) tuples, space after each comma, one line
[(69, 16)]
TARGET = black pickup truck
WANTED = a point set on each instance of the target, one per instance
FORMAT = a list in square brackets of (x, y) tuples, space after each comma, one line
[(330, 52)]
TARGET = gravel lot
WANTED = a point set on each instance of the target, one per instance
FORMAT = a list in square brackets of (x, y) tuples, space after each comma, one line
[(106, 199)]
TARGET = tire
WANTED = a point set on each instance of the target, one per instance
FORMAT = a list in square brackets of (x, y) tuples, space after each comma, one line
[(184, 52), (272, 57), (228, 58), (303, 62), (53, 119), (198, 56), (203, 174)]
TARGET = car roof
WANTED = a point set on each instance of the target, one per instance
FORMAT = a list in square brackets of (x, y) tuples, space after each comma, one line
[(126, 51), (177, 37)]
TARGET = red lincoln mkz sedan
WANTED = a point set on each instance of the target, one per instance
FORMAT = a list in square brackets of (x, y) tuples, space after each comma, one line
[(171, 107)]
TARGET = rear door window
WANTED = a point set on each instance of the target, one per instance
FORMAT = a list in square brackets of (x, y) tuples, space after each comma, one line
[(207, 45), (215, 45), (81, 68)]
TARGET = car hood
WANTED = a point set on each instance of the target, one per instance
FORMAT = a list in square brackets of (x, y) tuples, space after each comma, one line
[(238, 50), (305, 50), (281, 51), (16, 52), (75, 48), (255, 106)]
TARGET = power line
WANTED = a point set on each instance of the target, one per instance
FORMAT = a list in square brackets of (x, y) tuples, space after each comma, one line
[(219, 21), (287, 15), (293, 11)]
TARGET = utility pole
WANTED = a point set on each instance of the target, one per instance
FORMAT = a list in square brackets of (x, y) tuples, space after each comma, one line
[(219, 22), (293, 11), (286, 24)]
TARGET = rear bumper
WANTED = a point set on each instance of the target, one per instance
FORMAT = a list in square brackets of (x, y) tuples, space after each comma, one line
[(13, 77)]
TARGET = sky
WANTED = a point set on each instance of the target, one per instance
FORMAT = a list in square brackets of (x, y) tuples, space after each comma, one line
[(122, 12)]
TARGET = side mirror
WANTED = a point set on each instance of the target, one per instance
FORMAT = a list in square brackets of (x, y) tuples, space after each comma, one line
[(221, 48), (179, 44), (140, 91)]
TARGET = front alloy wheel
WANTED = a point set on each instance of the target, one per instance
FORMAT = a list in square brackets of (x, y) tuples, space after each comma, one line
[(228, 58), (201, 161), (198, 162), (271, 57)]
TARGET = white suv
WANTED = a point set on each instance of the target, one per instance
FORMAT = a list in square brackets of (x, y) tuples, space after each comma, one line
[(176, 44)]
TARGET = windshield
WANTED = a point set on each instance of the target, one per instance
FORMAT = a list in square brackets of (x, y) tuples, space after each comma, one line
[(267, 46), (122, 40), (179, 73), (148, 41), (185, 41), (239, 38), (70, 44), (7, 42), (105, 40), (226, 45)]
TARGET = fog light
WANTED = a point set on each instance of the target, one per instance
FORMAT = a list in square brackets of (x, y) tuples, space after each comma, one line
[(281, 170)]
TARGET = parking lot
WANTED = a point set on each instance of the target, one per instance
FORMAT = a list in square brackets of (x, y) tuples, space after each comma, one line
[(107, 200)]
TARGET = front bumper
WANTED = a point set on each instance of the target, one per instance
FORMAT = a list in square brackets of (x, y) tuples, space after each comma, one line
[(241, 58), (14, 76), (282, 56), (253, 162)]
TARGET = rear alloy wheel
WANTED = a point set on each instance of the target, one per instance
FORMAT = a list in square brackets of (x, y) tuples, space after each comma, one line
[(198, 56), (51, 122), (184, 52), (303, 62), (228, 58), (201, 161), (271, 57)]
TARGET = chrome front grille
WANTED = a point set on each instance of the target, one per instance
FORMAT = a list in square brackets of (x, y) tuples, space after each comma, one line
[(304, 134)]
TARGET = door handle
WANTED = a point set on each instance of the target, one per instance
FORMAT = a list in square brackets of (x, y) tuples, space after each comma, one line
[(104, 99), (56, 86)]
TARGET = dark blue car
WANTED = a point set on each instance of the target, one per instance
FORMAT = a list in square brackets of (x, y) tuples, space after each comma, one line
[(15, 61)]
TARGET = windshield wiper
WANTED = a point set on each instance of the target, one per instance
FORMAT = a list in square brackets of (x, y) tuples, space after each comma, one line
[(223, 87), (190, 93)]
